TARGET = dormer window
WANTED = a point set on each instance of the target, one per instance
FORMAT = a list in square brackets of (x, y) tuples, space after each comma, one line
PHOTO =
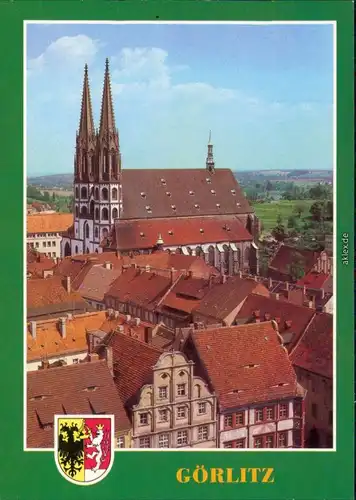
[(218, 205), (191, 192), (208, 180), (168, 193), (170, 232), (148, 207), (143, 195), (212, 191), (163, 182), (196, 205), (91, 388), (233, 191), (238, 204), (142, 234), (173, 207), (201, 230)]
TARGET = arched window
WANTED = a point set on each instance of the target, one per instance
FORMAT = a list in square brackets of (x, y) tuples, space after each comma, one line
[(178, 251), (105, 214), (105, 162), (199, 252), (115, 213), (76, 211), (84, 211), (90, 164), (237, 261), (211, 253), (226, 258), (104, 194), (87, 250), (96, 195), (83, 193), (87, 231), (77, 192), (67, 250), (114, 194), (197, 390), (97, 213), (96, 232), (105, 233), (92, 207), (76, 249), (189, 250)]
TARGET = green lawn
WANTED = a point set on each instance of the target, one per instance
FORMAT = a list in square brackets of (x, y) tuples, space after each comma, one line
[(268, 212)]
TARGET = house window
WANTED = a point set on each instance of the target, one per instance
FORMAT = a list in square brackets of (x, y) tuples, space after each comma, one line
[(163, 441), (182, 438), (181, 390), (75, 361), (228, 444), (259, 415), (269, 441), (162, 392), (239, 417), (181, 412), (201, 408), (283, 411), (37, 244), (203, 433), (240, 443), (44, 244), (53, 254), (257, 442), (145, 442), (143, 418), (163, 415), (270, 413), (227, 421), (53, 243), (315, 410), (121, 442), (297, 409), (282, 439)]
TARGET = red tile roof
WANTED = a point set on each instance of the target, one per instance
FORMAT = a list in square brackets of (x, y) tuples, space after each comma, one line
[(141, 234), (37, 263), (313, 279), (133, 361), (48, 223), (223, 298), (140, 288), (159, 189), (97, 282), (281, 311), (314, 351), (246, 364), (285, 255), (65, 390)]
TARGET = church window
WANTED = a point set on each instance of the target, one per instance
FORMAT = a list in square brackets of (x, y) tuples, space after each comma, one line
[(97, 213), (114, 194), (105, 214), (92, 207), (115, 213), (87, 231), (76, 249), (83, 192), (104, 233), (96, 195), (77, 192), (84, 211), (76, 211), (96, 232), (105, 194)]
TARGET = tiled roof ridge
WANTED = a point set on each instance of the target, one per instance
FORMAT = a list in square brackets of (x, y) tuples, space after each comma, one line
[(67, 367)]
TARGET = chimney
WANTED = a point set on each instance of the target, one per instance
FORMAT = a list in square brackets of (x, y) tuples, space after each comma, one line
[(128, 318), (322, 293), (137, 321), (148, 334), (108, 265), (270, 283), (267, 316), (240, 274), (311, 304), (62, 327), (288, 323), (69, 316), (148, 268), (94, 356), (210, 280), (276, 296), (172, 271), (256, 278), (223, 278), (304, 289), (45, 364), (109, 359), (68, 284), (287, 286), (33, 329)]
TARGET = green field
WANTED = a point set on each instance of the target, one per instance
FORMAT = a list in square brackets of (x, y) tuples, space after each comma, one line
[(268, 212)]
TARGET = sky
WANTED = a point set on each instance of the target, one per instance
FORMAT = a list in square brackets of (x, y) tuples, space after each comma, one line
[(264, 91)]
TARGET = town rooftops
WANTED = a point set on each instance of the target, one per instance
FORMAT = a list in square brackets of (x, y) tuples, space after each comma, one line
[(314, 351), (292, 319), (223, 298), (38, 263), (97, 282), (132, 362), (85, 388), (286, 256), (315, 280), (152, 193), (246, 364), (48, 223), (141, 234)]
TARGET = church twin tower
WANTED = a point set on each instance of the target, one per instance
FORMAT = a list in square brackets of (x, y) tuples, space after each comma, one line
[(97, 172)]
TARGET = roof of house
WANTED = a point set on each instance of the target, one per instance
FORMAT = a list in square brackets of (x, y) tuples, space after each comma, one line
[(314, 351), (285, 256), (291, 318), (246, 364), (140, 288), (69, 390), (314, 280), (42, 294), (97, 282), (223, 298), (133, 361), (140, 234), (37, 263), (48, 223), (159, 189)]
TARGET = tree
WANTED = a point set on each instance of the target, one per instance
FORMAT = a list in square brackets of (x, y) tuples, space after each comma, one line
[(46, 196), (317, 211), (269, 186), (292, 221), (279, 232), (53, 197), (299, 209), (297, 266)]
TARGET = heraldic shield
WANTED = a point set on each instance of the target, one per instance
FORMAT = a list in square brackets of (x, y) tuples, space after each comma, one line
[(84, 447)]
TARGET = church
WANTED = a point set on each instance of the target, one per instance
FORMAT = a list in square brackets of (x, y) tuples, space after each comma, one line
[(199, 211)]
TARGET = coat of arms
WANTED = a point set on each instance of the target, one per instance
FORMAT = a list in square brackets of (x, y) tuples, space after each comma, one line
[(84, 447)]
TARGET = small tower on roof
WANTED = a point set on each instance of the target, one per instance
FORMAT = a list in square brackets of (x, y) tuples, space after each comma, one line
[(159, 242), (210, 163)]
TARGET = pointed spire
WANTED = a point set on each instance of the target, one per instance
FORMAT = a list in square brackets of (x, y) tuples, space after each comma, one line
[(107, 118), (86, 125), (210, 163)]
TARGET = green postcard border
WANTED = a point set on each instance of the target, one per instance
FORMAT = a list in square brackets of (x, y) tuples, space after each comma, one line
[(152, 475)]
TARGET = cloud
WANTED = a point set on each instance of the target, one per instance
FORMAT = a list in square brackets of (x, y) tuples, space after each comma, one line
[(67, 50)]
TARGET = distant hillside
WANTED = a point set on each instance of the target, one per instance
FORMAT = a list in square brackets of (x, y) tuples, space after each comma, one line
[(61, 181)]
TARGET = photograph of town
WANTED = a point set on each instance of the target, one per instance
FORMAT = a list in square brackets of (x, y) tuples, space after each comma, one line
[(179, 235)]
